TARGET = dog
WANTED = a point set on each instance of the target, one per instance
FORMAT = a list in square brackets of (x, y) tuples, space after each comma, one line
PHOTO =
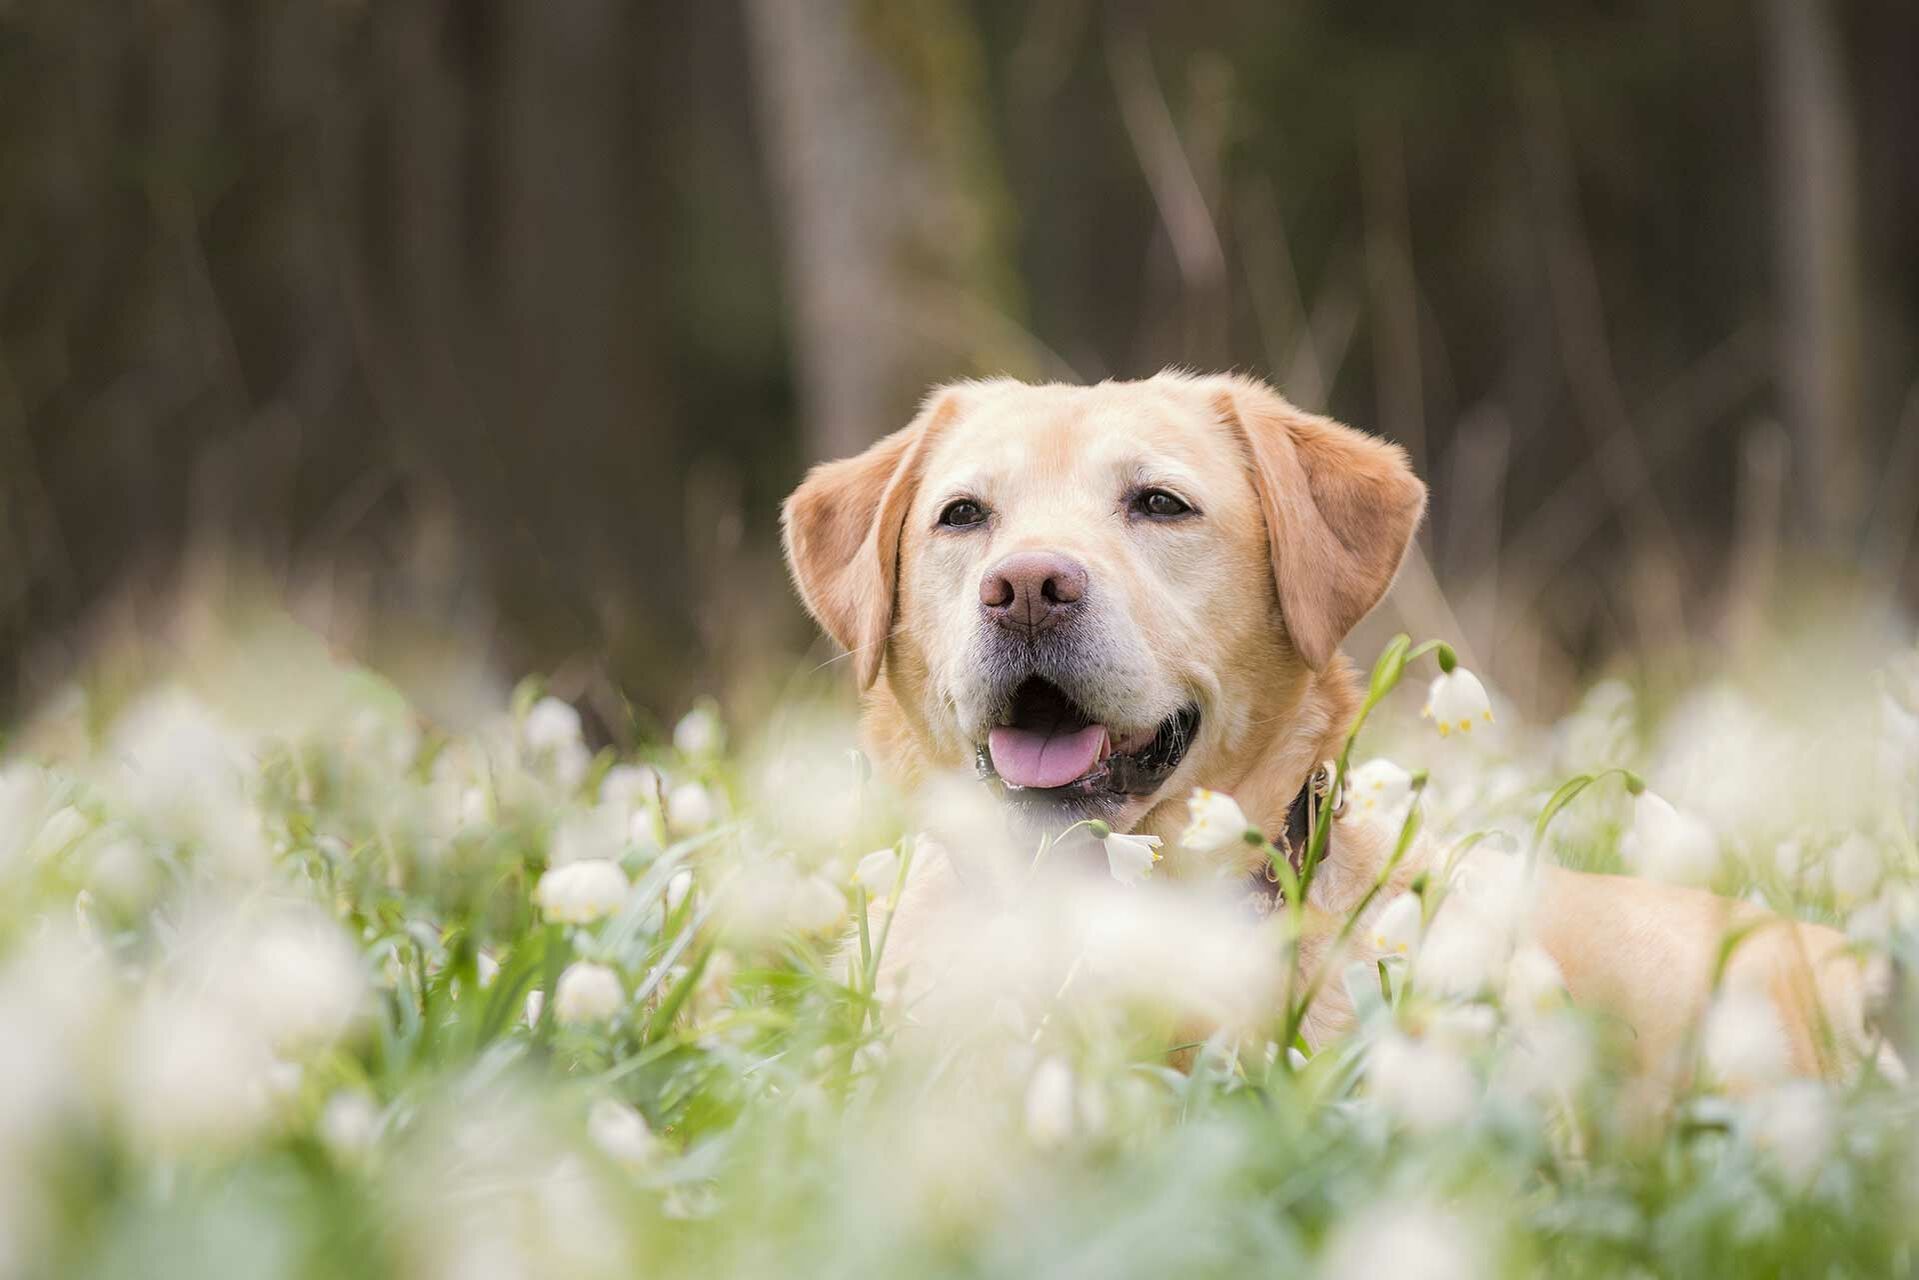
[(1102, 597)]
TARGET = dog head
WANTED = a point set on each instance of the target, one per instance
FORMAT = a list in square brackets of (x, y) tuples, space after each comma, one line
[(1102, 595)]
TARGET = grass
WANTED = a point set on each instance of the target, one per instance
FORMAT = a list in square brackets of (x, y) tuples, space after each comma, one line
[(280, 995)]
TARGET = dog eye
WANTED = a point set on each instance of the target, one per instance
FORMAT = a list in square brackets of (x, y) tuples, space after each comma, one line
[(1159, 504), (962, 514)]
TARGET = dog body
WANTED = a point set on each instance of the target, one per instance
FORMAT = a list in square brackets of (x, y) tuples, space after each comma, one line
[(1105, 596)]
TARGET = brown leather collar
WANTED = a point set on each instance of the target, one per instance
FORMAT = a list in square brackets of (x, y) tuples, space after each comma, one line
[(1265, 892)]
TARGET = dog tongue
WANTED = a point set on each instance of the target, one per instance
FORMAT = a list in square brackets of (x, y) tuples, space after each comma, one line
[(1045, 758)]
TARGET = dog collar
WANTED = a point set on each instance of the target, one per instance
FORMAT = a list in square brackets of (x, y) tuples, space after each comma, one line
[(1266, 894)]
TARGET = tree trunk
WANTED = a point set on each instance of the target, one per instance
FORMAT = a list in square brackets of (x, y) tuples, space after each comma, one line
[(1817, 255), (894, 272)]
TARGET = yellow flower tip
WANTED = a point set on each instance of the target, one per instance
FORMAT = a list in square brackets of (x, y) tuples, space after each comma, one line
[(1444, 729), (1489, 715), (1465, 726)]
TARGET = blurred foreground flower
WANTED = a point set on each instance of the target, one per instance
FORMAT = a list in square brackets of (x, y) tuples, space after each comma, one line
[(772, 897), (1379, 788), (1130, 858), (587, 993), (1214, 823), (1403, 1242), (582, 892), (689, 809), (621, 1132), (194, 1079), (1667, 844), (349, 1123), (678, 887), (1743, 1045), (699, 734), (1395, 927), (554, 738), (1049, 1103), (1534, 984), (877, 872), (1854, 869), (1425, 1083), (1792, 1125)]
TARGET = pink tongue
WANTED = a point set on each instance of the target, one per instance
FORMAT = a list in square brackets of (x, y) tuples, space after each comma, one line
[(1039, 758)]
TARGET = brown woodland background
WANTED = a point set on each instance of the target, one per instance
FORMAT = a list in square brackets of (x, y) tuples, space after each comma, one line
[(498, 329)]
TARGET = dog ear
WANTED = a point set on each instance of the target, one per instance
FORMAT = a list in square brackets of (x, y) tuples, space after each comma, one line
[(1341, 508), (841, 530)]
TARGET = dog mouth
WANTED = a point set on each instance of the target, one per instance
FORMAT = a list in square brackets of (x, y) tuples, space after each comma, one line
[(1047, 748)]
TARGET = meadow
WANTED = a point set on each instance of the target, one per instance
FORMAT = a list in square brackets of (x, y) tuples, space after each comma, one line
[(296, 982)]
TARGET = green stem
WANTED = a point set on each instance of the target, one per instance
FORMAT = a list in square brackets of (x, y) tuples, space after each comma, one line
[(1408, 829)]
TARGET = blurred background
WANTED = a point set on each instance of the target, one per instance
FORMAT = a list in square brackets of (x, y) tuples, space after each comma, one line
[(489, 335)]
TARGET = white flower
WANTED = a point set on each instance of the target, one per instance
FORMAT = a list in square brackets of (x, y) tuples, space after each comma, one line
[(678, 887), (581, 892), (587, 992), (689, 809), (1534, 984), (123, 872), (1550, 1057), (630, 786), (621, 1132), (1894, 911), (1049, 1103), (1789, 859), (1457, 700), (877, 872), (551, 725), (1793, 1125), (24, 794), (817, 906), (349, 1122), (193, 1077), (1667, 844), (553, 737), (535, 1003), (1464, 1027), (283, 1079), (770, 897), (699, 734), (486, 968), (1426, 1084), (1744, 1045), (184, 774), (1130, 858), (66, 825), (1214, 823), (1463, 952), (1899, 726), (1854, 870), (472, 809), (1395, 927), (296, 977), (1379, 788), (1404, 1242)]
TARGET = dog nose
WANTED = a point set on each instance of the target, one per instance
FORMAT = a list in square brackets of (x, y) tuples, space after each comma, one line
[(1032, 590)]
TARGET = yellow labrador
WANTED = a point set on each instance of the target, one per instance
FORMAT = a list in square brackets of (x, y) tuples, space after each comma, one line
[(1105, 596)]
